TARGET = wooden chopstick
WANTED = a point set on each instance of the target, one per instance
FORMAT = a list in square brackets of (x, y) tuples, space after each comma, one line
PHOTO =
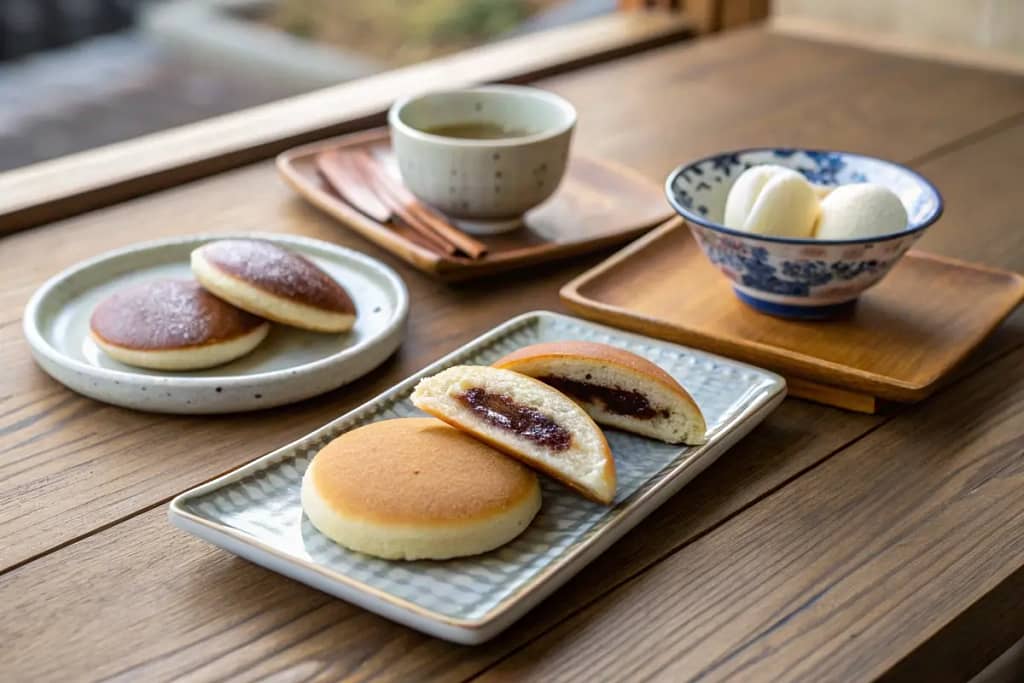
[(417, 210), (423, 231), (418, 238), (348, 181), (359, 179), (401, 211), (352, 184)]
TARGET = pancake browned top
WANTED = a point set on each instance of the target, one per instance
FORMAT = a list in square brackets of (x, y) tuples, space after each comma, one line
[(278, 271), (418, 471), (168, 314), (593, 352)]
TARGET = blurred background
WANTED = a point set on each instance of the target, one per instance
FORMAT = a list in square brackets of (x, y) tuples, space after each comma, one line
[(77, 74)]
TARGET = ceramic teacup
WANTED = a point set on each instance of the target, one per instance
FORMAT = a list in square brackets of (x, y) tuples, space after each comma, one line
[(486, 185)]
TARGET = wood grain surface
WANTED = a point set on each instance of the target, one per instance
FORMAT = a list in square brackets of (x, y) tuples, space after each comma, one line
[(898, 42), (826, 544), (750, 88)]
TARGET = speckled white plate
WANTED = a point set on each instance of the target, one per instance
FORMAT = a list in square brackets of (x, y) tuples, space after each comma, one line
[(290, 365), (255, 511)]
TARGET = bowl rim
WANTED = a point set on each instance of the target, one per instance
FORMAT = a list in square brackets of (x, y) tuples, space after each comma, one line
[(690, 216), (568, 111)]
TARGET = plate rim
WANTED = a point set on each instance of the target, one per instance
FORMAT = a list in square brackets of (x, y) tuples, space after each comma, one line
[(549, 578), (39, 344)]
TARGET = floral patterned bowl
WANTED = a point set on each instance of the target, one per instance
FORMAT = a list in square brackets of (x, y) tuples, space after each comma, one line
[(799, 278)]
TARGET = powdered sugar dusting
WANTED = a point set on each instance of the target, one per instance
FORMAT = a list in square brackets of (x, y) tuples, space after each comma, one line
[(280, 272), (168, 314)]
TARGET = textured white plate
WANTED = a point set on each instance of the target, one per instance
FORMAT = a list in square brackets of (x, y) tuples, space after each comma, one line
[(255, 511), (288, 366)]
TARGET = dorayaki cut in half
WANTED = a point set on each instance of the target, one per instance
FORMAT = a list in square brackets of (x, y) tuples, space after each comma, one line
[(526, 419), (617, 388)]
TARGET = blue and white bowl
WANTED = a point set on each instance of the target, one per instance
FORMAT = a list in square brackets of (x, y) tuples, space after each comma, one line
[(790, 277)]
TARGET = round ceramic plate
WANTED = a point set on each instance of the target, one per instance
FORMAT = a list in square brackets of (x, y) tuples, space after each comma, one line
[(290, 365)]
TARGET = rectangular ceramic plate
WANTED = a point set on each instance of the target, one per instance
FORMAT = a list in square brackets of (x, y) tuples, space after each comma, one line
[(255, 510)]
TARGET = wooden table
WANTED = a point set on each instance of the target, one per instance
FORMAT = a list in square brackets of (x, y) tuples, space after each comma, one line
[(826, 546)]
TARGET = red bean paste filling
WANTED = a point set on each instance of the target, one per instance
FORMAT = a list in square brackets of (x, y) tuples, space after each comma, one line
[(615, 400), (501, 411)]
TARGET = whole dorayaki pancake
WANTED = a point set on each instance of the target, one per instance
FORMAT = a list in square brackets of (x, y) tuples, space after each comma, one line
[(416, 488), (173, 325), (274, 283)]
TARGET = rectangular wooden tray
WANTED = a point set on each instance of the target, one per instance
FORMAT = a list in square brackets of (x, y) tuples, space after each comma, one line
[(599, 204), (905, 335)]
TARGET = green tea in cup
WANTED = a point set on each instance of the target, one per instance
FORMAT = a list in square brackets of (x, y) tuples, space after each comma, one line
[(476, 130)]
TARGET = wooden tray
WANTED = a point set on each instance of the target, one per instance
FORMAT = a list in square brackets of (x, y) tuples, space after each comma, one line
[(599, 204), (904, 336)]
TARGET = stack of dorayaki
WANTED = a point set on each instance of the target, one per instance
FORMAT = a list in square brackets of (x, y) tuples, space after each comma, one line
[(223, 314), (424, 488)]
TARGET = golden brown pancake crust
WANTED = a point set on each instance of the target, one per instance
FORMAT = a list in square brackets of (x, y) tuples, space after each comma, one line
[(602, 353), (168, 314), (278, 271), (417, 470)]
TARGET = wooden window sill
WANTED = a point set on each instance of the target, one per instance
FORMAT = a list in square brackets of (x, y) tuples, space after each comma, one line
[(70, 185)]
